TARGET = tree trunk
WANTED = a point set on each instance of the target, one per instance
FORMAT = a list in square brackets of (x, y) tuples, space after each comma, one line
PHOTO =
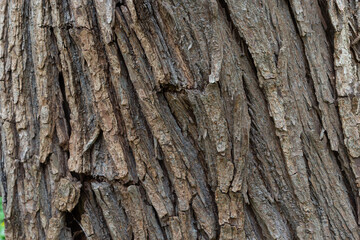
[(180, 119)]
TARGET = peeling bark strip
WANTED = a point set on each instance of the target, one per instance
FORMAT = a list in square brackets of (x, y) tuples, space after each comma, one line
[(209, 119)]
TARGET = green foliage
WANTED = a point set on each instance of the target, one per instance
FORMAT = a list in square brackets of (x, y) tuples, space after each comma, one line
[(2, 223)]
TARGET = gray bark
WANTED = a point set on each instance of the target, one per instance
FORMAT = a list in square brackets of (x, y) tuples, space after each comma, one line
[(170, 119)]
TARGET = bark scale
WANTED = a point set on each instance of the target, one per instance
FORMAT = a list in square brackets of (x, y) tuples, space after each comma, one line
[(169, 119)]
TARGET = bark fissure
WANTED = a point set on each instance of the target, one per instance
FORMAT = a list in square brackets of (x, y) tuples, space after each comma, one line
[(65, 104), (152, 119)]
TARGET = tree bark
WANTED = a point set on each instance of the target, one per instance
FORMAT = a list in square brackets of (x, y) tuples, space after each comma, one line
[(180, 119)]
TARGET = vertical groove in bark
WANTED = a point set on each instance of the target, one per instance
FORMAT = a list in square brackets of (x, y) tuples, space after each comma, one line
[(179, 119)]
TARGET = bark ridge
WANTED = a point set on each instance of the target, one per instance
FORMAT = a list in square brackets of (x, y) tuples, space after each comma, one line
[(169, 119)]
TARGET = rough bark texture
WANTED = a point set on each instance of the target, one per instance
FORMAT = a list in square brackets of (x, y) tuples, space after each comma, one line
[(180, 119)]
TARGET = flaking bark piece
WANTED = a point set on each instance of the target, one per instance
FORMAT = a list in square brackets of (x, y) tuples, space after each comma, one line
[(67, 194)]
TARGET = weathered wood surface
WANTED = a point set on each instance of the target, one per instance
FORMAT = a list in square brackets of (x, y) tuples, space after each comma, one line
[(180, 119)]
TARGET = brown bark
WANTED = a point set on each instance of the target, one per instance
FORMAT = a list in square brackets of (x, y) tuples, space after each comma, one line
[(168, 119)]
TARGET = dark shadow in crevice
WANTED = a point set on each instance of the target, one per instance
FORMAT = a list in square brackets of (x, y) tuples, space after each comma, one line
[(77, 232), (351, 191), (65, 104), (251, 219)]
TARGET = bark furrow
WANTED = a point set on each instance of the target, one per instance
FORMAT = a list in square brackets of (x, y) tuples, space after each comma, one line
[(149, 119)]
